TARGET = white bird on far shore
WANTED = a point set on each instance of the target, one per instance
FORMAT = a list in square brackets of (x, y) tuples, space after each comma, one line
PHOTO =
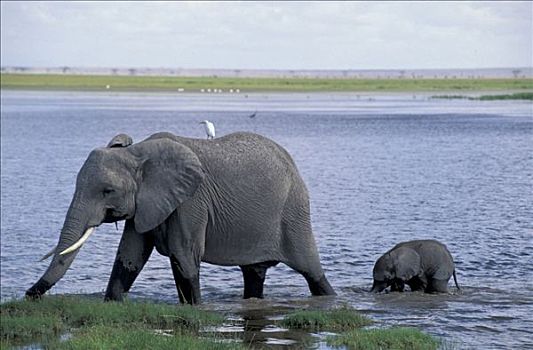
[(209, 129)]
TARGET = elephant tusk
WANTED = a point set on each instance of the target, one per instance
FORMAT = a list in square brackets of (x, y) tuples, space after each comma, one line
[(49, 254), (78, 244)]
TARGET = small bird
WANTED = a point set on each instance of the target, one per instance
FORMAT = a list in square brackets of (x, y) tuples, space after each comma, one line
[(209, 129), (252, 115)]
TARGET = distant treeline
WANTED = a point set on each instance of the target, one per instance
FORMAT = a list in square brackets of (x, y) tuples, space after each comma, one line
[(488, 73)]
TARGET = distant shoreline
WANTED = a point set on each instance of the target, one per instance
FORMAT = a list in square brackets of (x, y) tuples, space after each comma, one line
[(76, 82), (458, 73)]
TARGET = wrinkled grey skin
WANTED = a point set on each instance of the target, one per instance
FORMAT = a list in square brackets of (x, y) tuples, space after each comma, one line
[(121, 140), (424, 265), (236, 200)]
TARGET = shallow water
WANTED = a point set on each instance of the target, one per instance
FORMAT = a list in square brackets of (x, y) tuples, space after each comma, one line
[(380, 169)]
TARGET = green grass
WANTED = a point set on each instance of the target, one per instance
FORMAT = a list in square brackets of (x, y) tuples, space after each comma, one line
[(393, 338), (27, 329), (515, 96), (78, 312), (70, 322), (350, 323), (340, 319), (103, 337), (43, 321), (194, 84)]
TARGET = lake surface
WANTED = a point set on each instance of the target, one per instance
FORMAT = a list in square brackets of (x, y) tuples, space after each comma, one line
[(380, 169)]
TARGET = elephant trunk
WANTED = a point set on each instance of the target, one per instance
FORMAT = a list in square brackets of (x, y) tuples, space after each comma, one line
[(74, 230)]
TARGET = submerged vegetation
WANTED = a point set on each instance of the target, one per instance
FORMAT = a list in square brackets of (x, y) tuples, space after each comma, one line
[(70, 322), (225, 84), (515, 96)]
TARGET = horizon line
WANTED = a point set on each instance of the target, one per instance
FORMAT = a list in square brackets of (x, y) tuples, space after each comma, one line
[(255, 69)]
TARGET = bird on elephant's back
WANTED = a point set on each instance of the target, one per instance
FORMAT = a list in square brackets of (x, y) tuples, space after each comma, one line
[(237, 201)]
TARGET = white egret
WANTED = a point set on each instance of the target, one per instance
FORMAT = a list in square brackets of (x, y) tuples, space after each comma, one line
[(209, 129)]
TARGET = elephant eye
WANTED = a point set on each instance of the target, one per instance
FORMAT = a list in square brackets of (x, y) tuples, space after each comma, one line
[(108, 191)]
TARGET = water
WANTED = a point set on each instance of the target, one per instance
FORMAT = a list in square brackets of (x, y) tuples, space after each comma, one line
[(380, 169)]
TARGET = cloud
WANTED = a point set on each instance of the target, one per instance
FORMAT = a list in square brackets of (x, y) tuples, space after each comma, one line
[(289, 35)]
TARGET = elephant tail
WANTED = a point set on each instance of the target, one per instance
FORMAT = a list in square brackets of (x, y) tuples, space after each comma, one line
[(455, 280)]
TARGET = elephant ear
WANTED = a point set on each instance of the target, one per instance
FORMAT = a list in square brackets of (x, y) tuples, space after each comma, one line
[(169, 174), (121, 140), (407, 263)]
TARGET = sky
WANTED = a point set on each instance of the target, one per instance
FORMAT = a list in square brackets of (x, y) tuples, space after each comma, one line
[(268, 35)]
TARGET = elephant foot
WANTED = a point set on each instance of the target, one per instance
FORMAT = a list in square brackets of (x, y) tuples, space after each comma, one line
[(320, 287), (38, 289), (120, 281), (189, 292), (437, 286), (188, 288), (397, 286), (114, 297), (254, 278)]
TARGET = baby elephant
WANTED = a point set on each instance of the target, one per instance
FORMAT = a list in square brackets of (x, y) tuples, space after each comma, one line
[(422, 264)]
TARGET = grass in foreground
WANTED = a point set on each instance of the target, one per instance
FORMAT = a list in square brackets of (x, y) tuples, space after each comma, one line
[(195, 84), (103, 337), (340, 319), (70, 322), (350, 322), (44, 321), (392, 338)]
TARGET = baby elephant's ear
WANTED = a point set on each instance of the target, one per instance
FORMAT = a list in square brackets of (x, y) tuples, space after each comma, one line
[(169, 174), (407, 263), (121, 140)]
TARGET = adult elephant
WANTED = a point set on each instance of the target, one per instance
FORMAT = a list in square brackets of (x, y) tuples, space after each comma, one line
[(236, 200)]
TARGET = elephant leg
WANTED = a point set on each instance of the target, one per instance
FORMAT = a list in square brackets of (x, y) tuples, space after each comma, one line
[(186, 240), (319, 286), (416, 284), (437, 286), (254, 278), (187, 281), (133, 252), (310, 268), (397, 286), (298, 244), (312, 271)]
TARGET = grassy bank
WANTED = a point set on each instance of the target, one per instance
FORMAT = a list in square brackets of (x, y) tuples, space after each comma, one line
[(91, 324), (68, 322), (195, 84)]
